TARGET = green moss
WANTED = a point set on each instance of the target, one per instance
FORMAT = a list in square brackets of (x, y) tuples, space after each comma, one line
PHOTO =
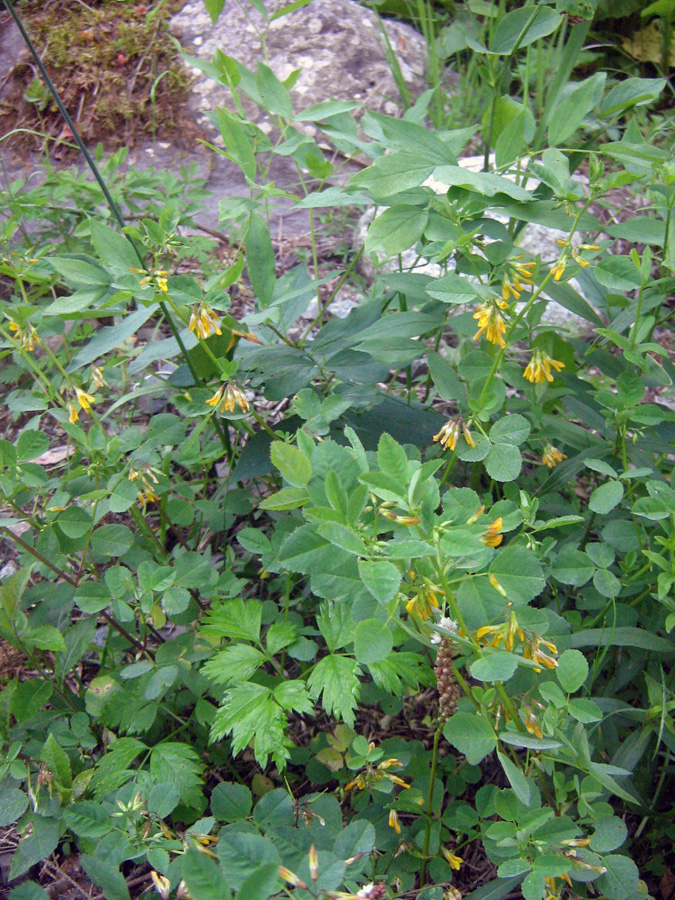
[(113, 63)]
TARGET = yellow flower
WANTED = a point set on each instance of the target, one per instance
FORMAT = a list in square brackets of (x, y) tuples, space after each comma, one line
[(532, 650), (394, 822), (97, 376), (496, 584), (162, 884), (539, 367), (204, 320), (558, 269), (516, 272), (503, 633), (420, 605), (229, 396), (454, 860), (449, 433), (492, 537), (552, 456), (26, 336), (291, 878), (531, 724), (491, 322), (73, 414), (84, 399)]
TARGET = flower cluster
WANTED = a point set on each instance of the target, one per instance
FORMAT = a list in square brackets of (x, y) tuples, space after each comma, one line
[(558, 269), (539, 367), (204, 321), (493, 536), (516, 276), (552, 456), (421, 604), (449, 433), (228, 397), (158, 279), (84, 400), (449, 691), (147, 480), (491, 322), (26, 335), (505, 632), (532, 650), (372, 774)]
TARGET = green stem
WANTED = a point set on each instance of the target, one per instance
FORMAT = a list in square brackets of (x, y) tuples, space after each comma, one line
[(430, 805)]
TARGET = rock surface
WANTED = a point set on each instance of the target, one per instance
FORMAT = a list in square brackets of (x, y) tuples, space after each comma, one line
[(336, 45)]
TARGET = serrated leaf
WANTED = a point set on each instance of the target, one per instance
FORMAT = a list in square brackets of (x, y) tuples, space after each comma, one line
[(335, 680)]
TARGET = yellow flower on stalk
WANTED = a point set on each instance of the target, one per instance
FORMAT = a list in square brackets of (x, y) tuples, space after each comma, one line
[(552, 456), (491, 322), (532, 650), (228, 397), (538, 370), (531, 724), (162, 884), (421, 604), (452, 858), (97, 376), (394, 822), (204, 321), (157, 278), (493, 536), (517, 274), (84, 399), (26, 336), (505, 633), (73, 415), (449, 433)]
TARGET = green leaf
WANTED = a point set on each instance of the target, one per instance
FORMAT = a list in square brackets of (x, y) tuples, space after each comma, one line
[(396, 230), (621, 880), (231, 802), (523, 27), (250, 713), (79, 273), (262, 883), (260, 261), (517, 779), (237, 143), (391, 459), (114, 250), (624, 636), (335, 680), (618, 273), (513, 429), (373, 641), (610, 833), (88, 819), (13, 803), (111, 540), (529, 741), (237, 662), (113, 336), (519, 572), (503, 462), (382, 579), (572, 670), (568, 116), (584, 711), (242, 854), (31, 444), (42, 840), (606, 497), (486, 184), (492, 667), (471, 735), (274, 95), (204, 878), (572, 567), (292, 463), (286, 498), (214, 9), (57, 762), (631, 92), (181, 765), (107, 876)]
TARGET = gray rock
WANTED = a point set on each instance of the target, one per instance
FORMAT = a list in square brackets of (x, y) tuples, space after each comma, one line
[(336, 45), (338, 49)]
